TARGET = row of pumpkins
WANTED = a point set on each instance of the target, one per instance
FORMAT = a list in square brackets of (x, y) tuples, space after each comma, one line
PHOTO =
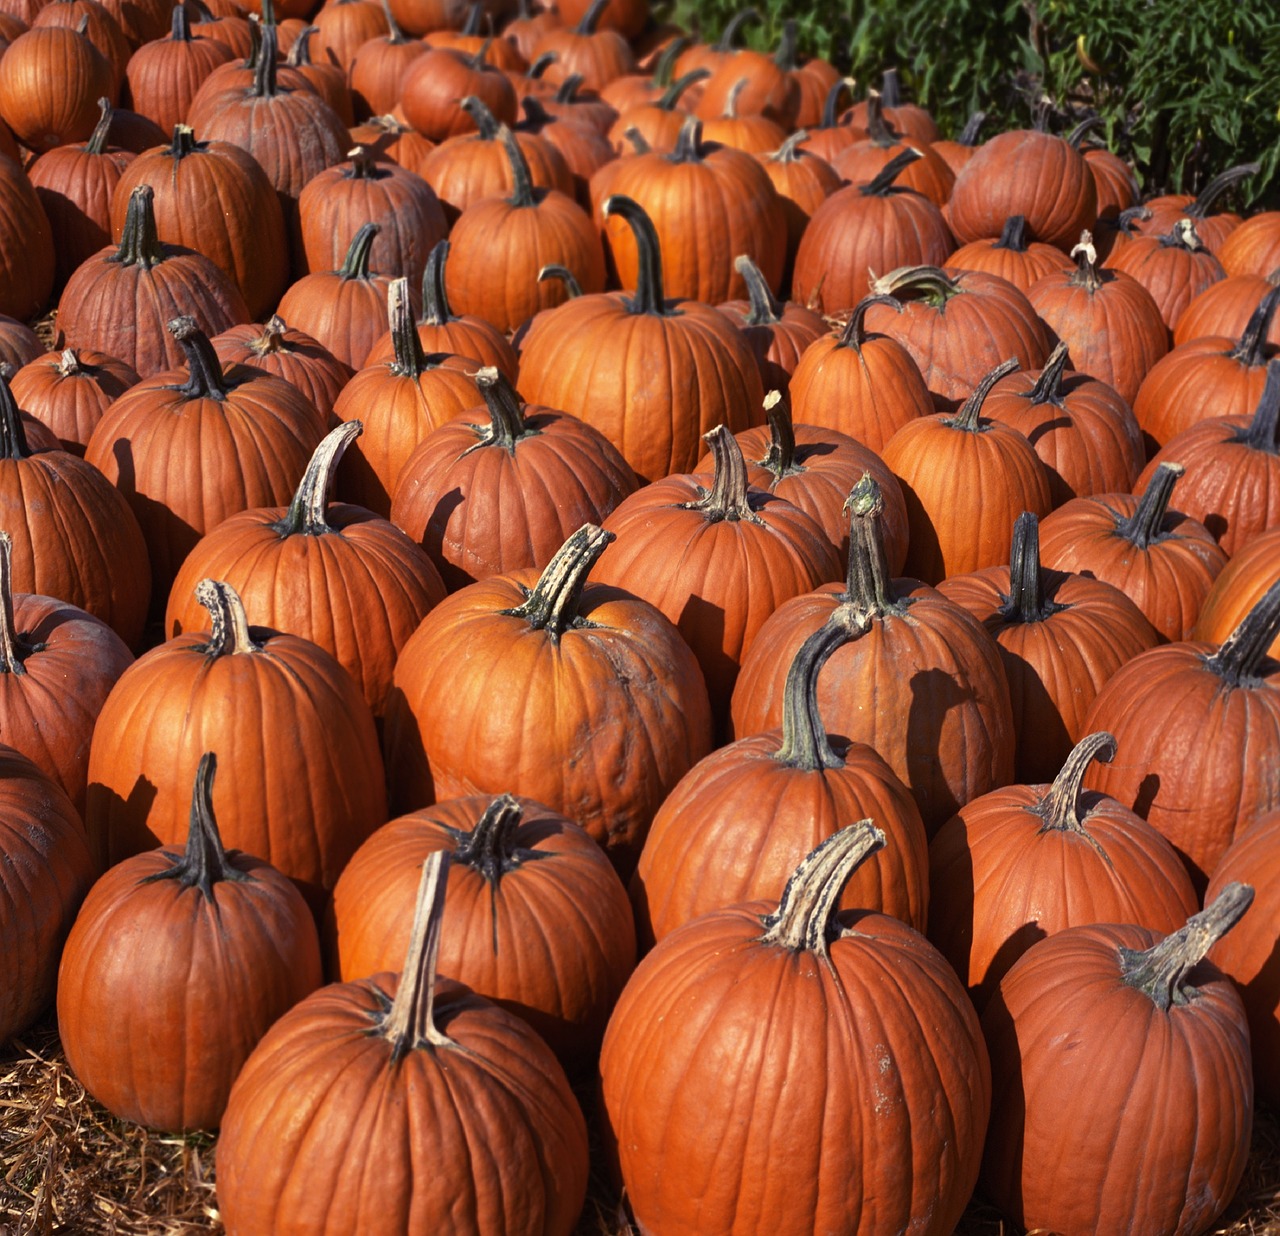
[(770, 713)]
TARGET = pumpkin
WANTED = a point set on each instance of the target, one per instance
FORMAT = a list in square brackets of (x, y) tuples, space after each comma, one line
[(958, 326), (1025, 172), (286, 352), (121, 300), (213, 197), (147, 444), (75, 537), (1225, 307), (1162, 560), (303, 804), (1213, 230), (165, 74), (1245, 954), (1208, 378), (19, 344), (342, 198), (40, 117), (45, 874), (775, 988), (70, 390), (57, 664), (27, 255), (742, 818), (753, 132), (1174, 267), (1029, 860), (379, 66), (657, 123), (585, 50), (499, 244), (865, 159), (1232, 480), (1089, 1022), (399, 402), (177, 964), (500, 487), (966, 478), (804, 181), (537, 919), (912, 119), (1243, 580), (584, 150), (1110, 323), (924, 685), (717, 559), (1197, 723), (442, 330), (328, 572), (1254, 247), (467, 725), (327, 79), (1081, 430), (592, 357), (771, 92), (1012, 255), (435, 84), (75, 184), (865, 386), (777, 333), (957, 152), (1061, 639), (833, 133), (343, 26), (457, 1072), (870, 226)]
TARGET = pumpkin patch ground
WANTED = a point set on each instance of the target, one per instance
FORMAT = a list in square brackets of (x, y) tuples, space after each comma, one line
[(731, 572)]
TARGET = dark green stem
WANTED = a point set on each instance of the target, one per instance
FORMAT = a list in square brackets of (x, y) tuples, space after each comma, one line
[(306, 513), (572, 288), (13, 649), (1253, 346), (805, 742), (729, 497), (228, 624), (1086, 257), (878, 128), (97, 143), (868, 584), (1261, 432), (552, 606), (1142, 528), (1082, 130), (204, 369), (1163, 972), (506, 414), (891, 88), (854, 336), (972, 127), (483, 118), (264, 73), (522, 192), (732, 27), (780, 457), (1027, 601), (184, 142), (356, 264), (1239, 659), (1048, 387), (786, 57), (1218, 186), (180, 25), (688, 142), (665, 66), (1013, 235), (831, 104), (883, 182), (13, 437), (967, 419), (765, 309), (591, 18), (648, 296), (409, 359), (1060, 807), (671, 96), (139, 242), (435, 304)]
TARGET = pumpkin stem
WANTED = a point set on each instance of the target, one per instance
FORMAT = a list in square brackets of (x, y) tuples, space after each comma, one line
[(688, 142), (506, 415), (665, 66), (229, 627), (1082, 130), (395, 36), (300, 53), (1163, 972), (854, 336), (255, 47), (305, 516), (268, 13), (1218, 186), (671, 95), (831, 104), (805, 920), (204, 862), (1183, 235), (789, 151), (483, 118), (972, 127), (1048, 387), (1013, 235), (1253, 346), (731, 103), (13, 435), (552, 606), (180, 25), (732, 27), (69, 364), (356, 263), (553, 270), (639, 143), (409, 1024), (868, 584), (1026, 601), (1060, 808), (471, 25), (522, 193), (931, 284), (883, 181), (878, 128), (97, 143), (363, 165), (1142, 528), (968, 417), (786, 56), (1240, 657), (272, 338), (538, 68), (264, 73), (1086, 256), (1260, 434), (184, 141), (891, 88), (765, 307), (139, 242), (648, 296), (204, 369), (435, 303), (729, 497), (489, 848), (480, 56), (535, 114), (780, 458), (409, 360), (591, 18), (13, 648), (568, 90), (806, 744)]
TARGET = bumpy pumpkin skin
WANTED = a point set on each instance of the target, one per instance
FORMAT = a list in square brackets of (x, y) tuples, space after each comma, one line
[(1238, 589), (1076, 1056), (720, 1033)]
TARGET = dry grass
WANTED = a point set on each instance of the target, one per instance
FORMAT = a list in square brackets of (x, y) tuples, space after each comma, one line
[(67, 1167)]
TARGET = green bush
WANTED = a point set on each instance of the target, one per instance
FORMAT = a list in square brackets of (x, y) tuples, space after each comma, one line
[(1185, 88)]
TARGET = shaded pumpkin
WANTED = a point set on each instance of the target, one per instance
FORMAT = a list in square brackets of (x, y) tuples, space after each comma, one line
[(70, 390)]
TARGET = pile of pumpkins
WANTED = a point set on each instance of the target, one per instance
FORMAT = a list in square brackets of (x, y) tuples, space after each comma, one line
[(817, 697)]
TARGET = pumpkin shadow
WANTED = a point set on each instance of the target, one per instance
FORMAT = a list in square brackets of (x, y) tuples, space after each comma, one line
[(934, 693), (116, 827), (702, 625), (1262, 993)]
